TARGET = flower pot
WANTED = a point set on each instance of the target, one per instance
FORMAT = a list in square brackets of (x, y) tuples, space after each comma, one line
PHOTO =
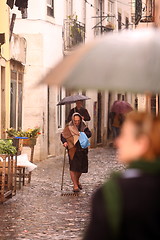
[(18, 143), (30, 142)]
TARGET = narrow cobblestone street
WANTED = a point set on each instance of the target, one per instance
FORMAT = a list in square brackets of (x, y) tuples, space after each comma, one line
[(38, 211)]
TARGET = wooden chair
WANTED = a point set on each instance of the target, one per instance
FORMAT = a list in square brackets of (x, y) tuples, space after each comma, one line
[(8, 168)]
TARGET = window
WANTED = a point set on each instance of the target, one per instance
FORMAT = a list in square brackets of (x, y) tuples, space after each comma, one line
[(119, 21), (59, 108), (16, 100), (154, 104), (13, 101), (20, 100), (50, 8), (127, 23), (110, 7), (111, 11)]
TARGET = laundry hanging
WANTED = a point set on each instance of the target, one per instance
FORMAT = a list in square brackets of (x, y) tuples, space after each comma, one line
[(21, 4), (10, 3)]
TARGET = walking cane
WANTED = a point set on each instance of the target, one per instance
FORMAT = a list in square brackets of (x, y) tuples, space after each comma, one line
[(65, 193), (64, 159)]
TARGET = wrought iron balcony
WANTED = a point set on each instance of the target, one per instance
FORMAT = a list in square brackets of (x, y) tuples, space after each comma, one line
[(73, 33), (144, 11), (147, 11), (138, 11)]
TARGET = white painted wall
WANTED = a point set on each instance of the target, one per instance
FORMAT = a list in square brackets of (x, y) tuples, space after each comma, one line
[(18, 48), (90, 21), (43, 35), (36, 10), (124, 7), (91, 11)]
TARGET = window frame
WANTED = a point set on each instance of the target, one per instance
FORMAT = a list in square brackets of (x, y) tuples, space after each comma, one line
[(50, 8), (59, 109), (119, 21), (16, 99)]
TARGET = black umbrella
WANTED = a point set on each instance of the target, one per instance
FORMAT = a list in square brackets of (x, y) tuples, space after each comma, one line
[(72, 99)]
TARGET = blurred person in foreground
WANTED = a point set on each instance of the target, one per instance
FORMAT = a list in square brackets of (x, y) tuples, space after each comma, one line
[(81, 110), (127, 207), (75, 138)]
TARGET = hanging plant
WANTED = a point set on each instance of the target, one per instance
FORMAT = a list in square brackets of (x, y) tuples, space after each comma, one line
[(76, 32)]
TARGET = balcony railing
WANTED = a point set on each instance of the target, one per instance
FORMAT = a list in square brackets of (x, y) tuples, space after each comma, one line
[(143, 12), (147, 11), (74, 33), (138, 11)]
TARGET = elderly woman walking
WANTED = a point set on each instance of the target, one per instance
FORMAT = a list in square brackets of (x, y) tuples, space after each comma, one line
[(71, 137)]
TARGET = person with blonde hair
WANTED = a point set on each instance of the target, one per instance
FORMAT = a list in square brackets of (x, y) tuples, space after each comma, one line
[(127, 206)]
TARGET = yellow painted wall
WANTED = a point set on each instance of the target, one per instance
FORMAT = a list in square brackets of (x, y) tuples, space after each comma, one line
[(5, 54)]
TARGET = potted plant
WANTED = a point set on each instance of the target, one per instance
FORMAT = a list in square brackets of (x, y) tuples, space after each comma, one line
[(29, 136), (6, 147), (76, 30)]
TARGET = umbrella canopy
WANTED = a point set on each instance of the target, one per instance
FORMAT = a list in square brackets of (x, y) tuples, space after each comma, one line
[(122, 107), (72, 99), (127, 61)]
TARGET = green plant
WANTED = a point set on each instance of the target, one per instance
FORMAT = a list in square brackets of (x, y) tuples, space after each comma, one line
[(11, 132), (6, 147), (76, 31), (30, 133)]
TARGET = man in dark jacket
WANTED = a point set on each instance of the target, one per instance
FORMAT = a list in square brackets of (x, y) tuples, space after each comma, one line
[(81, 110)]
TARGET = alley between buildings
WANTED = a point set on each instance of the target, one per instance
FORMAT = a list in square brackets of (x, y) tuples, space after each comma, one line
[(38, 211)]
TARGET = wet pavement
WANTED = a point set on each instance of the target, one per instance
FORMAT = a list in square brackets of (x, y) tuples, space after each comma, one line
[(38, 211)]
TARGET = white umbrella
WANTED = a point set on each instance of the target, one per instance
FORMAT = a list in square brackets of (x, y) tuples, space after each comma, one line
[(127, 61)]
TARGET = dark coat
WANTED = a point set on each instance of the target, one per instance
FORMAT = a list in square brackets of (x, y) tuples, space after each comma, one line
[(82, 111), (140, 207), (79, 163), (120, 118)]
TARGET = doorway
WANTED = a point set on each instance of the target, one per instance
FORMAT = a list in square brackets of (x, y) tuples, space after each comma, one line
[(99, 118), (3, 103)]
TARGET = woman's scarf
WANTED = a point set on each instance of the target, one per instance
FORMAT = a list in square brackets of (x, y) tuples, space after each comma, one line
[(145, 166)]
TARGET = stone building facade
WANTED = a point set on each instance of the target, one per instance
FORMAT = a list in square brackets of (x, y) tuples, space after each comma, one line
[(52, 32)]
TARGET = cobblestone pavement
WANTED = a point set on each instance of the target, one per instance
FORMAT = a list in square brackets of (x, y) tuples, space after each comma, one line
[(38, 211)]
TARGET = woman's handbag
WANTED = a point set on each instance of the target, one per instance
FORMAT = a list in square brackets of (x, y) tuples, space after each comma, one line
[(84, 141)]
